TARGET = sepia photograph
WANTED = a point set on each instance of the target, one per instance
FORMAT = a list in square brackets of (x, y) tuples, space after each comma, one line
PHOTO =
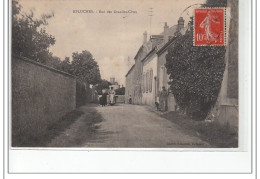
[(124, 74)]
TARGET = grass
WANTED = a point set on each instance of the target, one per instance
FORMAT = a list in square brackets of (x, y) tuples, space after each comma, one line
[(212, 132), (72, 130), (29, 139), (81, 132)]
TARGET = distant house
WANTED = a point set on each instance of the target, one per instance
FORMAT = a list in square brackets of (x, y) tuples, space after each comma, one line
[(114, 85)]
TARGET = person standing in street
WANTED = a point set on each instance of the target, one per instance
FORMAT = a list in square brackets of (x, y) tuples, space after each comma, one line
[(103, 99), (112, 96), (163, 97), (130, 99)]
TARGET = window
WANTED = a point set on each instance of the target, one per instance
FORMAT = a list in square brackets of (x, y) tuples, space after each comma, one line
[(161, 76), (151, 81), (147, 81), (143, 83)]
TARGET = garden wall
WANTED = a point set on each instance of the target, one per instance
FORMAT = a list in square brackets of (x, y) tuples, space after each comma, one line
[(40, 95)]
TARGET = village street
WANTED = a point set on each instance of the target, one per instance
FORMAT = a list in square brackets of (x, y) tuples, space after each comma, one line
[(125, 125)]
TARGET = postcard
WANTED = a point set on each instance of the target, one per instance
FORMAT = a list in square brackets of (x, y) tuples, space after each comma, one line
[(117, 75)]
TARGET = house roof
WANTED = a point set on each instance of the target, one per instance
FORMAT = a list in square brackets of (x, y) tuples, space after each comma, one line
[(163, 47), (155, 39), (171, 30), (138, 51), (156, 36), (146, 57), (158, 42), (130, 70)]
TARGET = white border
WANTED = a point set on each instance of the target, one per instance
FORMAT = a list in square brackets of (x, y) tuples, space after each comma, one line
[(144, 161)]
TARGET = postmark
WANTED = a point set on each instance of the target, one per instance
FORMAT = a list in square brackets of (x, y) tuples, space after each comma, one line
[(209, 27)]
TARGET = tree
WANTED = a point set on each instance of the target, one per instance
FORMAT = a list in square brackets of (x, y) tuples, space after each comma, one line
[(65, 65), (215, 3), (196, 73), (103, 84), (29, 37), (85, 68)]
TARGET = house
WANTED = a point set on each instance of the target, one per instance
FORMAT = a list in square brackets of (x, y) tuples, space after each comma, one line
[(163, 77), (135, 74), (154, 71), (147, 76), (149, 81), (114, 84), (129, 87)]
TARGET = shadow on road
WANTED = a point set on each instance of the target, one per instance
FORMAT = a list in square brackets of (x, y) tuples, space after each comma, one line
[(85, 129)]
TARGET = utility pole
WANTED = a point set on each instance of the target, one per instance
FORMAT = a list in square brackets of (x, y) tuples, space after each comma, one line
[(125, 25), (151, 15), (125, 35)]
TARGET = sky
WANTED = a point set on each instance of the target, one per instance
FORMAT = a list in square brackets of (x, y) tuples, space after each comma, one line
[(112, 38)]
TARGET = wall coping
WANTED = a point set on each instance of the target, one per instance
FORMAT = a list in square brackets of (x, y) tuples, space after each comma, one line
[(43, 66)]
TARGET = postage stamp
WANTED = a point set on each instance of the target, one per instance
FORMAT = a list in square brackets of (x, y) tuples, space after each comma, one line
[(209, 26)]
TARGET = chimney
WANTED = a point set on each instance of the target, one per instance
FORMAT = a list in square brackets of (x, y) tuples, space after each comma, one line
[(166, 33), (145, 37), (180, 23)]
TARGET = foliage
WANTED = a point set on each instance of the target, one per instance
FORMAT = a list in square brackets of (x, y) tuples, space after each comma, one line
[(214, 133), (103, 84), (81, 93), (65, 65), (29, 37), (120, 91), (215, 3), (85, 68), (196, 73)]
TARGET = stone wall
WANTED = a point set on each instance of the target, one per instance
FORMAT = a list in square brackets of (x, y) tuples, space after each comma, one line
[(226, 110), (40, 95), (120, 98)]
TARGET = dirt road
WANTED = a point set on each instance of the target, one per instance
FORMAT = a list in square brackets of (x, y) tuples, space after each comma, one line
[(134, 126), (126, 126)]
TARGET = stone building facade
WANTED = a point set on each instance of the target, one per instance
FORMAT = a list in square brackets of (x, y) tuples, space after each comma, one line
[(146, 78), (129, 88), (149, 83)]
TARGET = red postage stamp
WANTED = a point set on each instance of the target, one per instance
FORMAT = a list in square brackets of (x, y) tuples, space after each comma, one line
[(209, 26)]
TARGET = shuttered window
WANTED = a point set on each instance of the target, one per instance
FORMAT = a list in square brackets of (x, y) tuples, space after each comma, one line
[(147, 82), (151, 81), (143, 83)]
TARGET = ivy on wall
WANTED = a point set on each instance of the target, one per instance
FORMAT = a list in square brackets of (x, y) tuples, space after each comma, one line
[(196, 73)]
